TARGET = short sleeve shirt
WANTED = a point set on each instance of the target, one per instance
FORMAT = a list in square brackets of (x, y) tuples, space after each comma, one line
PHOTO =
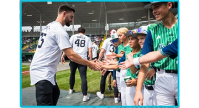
[(108, 46), (80, 44), (52, 41)]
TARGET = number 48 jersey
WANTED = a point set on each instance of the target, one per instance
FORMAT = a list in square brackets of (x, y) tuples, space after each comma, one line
[(80, 44)]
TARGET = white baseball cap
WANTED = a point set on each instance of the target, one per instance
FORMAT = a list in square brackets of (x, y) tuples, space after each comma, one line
[(113, 34)]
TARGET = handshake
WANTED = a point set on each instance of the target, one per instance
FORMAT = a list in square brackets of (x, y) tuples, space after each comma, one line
[(95, 65)]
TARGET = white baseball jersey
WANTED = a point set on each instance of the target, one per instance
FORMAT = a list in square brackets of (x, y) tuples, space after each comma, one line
[(52, 41), (108, 46), (80, 44), (94, 50)]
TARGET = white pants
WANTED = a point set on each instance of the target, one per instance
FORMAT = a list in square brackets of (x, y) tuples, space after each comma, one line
[(123, 87), (149, 97), (166, 88), (130, 94), (118, 80)]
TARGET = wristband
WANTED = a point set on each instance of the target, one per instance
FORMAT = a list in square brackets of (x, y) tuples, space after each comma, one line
[(136, 61)]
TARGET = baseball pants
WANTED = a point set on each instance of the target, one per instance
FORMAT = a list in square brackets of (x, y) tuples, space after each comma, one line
[(166, 88), (118, 80), (149, 97), (123, 87)]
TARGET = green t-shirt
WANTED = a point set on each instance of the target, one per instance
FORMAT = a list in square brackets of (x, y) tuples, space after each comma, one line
[(137, 67), (127, 49), (162, 37)]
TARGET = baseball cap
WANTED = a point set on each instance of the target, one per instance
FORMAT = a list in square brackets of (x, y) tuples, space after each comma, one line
[(131, 33), (173, 10), (141, 30), (113, 34), (149, 5)]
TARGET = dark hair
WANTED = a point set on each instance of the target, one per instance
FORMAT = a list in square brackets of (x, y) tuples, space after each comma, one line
[(81, 30), (65, 8)]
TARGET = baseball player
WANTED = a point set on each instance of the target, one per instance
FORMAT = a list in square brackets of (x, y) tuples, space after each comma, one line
[(106, 49), (149, 94), (122, 34), (116, 85), (81, 44), (166, 69), (132, 71), (53, 40), (94, 50)]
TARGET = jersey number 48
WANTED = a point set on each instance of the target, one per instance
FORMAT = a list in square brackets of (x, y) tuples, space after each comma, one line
[(80, 43)]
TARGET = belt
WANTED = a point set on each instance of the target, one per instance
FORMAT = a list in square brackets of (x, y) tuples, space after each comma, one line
[(149, 87), (171, 71), (167, 71)]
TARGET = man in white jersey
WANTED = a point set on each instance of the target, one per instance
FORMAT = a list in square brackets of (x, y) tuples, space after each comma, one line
[(53, 40), (94, 50), (107, 48), (80, 43)]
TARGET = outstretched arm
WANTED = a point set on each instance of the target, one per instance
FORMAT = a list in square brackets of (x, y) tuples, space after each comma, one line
[(76, 58)]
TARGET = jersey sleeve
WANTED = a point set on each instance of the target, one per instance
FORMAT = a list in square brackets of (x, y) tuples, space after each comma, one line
[(170, 50), (148, 44), (63, 41), (89, 43), (71, 40), (104, 46)]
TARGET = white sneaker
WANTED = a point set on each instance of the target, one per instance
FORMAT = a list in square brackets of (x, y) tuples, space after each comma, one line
[(101, 96), (85, 98), (116, 100), (70, 91)]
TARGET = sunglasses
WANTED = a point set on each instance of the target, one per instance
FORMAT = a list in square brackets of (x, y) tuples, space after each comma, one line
[(115, 40)]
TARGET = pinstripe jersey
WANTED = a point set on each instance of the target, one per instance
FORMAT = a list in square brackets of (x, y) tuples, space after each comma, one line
[(162, 37), (150, 81), (137, 67)]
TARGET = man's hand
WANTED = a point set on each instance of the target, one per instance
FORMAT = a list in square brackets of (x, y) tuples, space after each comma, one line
[(114, 83), (94, 66), (103, 72), (132, 82), (63, 59), (138, 98)]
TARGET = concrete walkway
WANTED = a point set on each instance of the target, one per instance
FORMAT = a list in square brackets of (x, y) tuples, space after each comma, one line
[(28, 99)]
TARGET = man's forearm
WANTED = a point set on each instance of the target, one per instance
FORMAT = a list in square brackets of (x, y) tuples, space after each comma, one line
[(151, 57), (110, 67), (101, 54), (133, 69), (75, 57)]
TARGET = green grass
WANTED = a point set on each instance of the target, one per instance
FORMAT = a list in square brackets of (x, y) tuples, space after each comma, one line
[(25, 67), (93, 81)]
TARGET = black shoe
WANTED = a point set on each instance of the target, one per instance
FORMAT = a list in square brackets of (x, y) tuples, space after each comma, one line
[(109, 88)]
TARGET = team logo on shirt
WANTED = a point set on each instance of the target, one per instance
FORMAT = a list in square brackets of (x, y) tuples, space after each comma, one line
[(158, 37), (161, 46)]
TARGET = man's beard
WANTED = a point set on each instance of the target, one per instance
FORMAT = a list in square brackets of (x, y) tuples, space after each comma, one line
[(67, 22)]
